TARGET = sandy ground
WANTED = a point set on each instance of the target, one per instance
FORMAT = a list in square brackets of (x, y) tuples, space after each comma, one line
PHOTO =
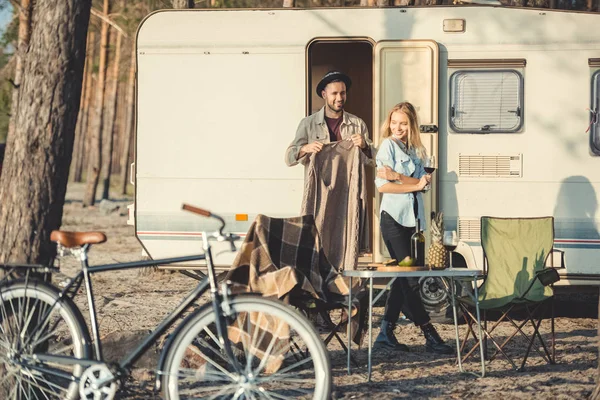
[(130, 301)]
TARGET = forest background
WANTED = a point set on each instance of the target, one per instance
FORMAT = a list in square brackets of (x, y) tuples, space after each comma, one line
[(105, 121), (67, 87)]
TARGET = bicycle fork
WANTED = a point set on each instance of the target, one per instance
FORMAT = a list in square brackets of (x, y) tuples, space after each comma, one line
[(221, 307)]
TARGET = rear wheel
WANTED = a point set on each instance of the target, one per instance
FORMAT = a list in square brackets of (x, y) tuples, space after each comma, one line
[(35, 323), (271, 362)]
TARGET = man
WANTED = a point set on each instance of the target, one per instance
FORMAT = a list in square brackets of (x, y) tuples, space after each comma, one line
[(330, 124), (335, 188)]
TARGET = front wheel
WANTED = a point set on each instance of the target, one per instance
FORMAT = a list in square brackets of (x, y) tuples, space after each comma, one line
[(278, 355)]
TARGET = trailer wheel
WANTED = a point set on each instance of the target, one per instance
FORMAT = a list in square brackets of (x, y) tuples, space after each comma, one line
[(435, 298)]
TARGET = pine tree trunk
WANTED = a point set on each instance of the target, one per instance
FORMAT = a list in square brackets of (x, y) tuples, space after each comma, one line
[(81, 129), (111, 111), (23, 37), (128, 131), (88, 105), (36, 167), (182, 3), (95, 143)]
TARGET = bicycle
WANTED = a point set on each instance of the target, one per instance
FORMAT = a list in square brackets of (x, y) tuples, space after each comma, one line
[(236, 346)]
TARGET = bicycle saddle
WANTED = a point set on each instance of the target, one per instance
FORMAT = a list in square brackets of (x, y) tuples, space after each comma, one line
[(76, 239)]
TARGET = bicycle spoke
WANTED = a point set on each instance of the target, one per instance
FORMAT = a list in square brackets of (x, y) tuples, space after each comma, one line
[(267, 352), (196, 390), (35, 320), (247, 352), (45, 381), (288, 368), (16, 326), (14, 391), (221, 392), (209, 360), (4, 316), (273, 395), (261, 331), (45, 389), (255, 340), (40, 329), (35, 394), (192, 373)]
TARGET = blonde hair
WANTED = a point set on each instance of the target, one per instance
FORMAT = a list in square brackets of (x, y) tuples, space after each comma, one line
[(414, 135)]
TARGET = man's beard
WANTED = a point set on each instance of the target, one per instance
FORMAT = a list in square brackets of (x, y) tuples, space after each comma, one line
[(332, 107)]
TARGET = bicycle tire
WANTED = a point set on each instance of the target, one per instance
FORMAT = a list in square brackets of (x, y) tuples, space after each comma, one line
[(34, 321), (195, 353)]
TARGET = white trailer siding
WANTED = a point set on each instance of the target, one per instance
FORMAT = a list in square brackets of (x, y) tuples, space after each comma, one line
[(220, 94)]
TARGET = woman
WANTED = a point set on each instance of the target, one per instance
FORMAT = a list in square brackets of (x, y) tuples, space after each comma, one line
[(401, 178)]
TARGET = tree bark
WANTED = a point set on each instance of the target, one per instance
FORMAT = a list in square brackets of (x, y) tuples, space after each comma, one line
[(109, 131), (36, 167), (128, 131), (82, 121), (182, 3), (95, 143), (23, 37)]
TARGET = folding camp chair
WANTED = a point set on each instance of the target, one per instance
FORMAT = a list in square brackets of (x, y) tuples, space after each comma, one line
[(518, 284), (332, 314), (284, 258)]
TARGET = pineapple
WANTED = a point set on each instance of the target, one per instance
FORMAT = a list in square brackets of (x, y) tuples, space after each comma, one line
[(437, 255)]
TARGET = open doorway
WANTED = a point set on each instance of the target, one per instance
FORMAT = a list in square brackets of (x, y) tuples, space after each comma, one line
[(353, 57)]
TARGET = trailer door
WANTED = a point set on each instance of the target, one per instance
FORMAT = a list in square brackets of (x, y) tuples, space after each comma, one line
[(407, 70)]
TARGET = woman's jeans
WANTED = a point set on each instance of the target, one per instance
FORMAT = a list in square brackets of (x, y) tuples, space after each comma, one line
[(404, 293)]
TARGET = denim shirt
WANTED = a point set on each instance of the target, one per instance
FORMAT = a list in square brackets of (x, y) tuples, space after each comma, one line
[(400, 206)]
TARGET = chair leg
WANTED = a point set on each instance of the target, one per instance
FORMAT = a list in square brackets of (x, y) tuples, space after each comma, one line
[(552, 331), (487, 336), (334, 333)]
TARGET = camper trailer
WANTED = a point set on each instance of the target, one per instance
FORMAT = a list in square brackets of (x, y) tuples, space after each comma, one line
[(507, 100)]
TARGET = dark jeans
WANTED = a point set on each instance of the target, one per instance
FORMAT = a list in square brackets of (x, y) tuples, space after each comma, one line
[(404, 293)]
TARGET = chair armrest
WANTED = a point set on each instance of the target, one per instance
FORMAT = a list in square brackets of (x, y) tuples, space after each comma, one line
[(562, 258)]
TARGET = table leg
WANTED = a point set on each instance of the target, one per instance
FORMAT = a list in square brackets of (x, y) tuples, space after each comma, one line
[(452, 296), (479, 327), (348, 327), (370, 325)]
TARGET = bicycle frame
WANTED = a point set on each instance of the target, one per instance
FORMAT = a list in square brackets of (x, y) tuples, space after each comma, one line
[(129, 359)]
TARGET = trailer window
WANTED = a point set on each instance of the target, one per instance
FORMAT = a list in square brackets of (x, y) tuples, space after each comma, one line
[(594, 117), (486, 101)]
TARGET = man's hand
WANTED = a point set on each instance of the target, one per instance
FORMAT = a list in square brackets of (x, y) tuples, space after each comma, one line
[(358, 141), (388, 174), (313, 147)]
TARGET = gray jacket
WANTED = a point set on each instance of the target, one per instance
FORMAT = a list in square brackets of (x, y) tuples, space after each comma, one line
[(314, 128)]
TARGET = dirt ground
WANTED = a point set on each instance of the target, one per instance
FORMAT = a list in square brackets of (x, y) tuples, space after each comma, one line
[(130, 301)]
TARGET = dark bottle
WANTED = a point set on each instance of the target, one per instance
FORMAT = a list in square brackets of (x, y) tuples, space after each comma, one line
[(417, 246)]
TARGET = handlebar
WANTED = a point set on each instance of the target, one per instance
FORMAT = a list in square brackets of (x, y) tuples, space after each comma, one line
[(221, 237)]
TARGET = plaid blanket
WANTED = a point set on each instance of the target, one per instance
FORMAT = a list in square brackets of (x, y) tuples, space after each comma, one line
[(284, 259)]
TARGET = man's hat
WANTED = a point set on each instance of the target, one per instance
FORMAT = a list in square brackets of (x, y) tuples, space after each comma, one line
[(333, 76)]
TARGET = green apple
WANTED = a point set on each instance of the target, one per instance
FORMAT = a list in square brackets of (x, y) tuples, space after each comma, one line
[(407, 261)]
